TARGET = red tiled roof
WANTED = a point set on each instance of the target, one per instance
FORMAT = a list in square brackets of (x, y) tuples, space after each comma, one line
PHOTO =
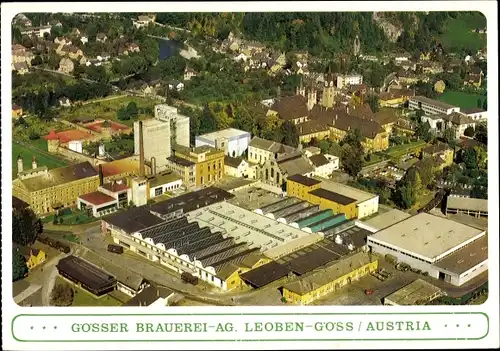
[(97, 198), (97, 126), (68, 135), (115, 187)]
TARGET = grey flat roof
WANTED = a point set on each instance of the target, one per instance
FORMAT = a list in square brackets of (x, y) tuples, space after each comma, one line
[(466, 258), (426, 235), (265, 274), (415, 293), (134, 219), (387, 219), (467, 203), (345, 190)]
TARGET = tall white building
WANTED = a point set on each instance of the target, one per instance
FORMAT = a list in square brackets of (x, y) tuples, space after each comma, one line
[(430, 106), (168, 126), (234, 142), (179, 123), (156, 140)]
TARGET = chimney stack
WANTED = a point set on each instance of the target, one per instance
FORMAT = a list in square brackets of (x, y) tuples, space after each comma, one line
[(153, 166), (141, 151), (101, 176), (33, 162)]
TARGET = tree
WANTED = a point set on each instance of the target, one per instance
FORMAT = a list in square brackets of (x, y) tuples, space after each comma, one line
[(288, 134), (481, 134), (19, 268), (485, 105), (481, 157), (122, 114), (62, 295), (25, 226), (450, 135), (426, 171), (408, 189), (37, 60), (351, 156), (374, 102), (479, 103), (469, 157), (423, 131), (132, 110), (479, 192), (469, 131)]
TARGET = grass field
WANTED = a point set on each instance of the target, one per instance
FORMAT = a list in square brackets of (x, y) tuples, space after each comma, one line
[(70, 219), (457, 34), (84, 298), (401, 150), (108, 109), (461, 99), (27, 154)]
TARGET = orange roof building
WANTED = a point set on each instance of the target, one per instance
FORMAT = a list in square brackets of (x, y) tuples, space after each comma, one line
[(68, 135)]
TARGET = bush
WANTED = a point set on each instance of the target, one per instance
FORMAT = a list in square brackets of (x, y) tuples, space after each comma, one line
[(62, 295)]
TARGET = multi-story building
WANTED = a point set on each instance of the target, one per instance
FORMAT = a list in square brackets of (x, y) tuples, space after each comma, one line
[(37, 31), (261, 150), (349, 79), (179, 123), (157, 140), (47, 190), (430, 106), (234, 142), (208, 162), (184, 168), (440, 122)]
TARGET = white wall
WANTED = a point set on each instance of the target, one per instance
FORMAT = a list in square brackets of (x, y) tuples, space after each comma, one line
[(368, 207), (165, 187)]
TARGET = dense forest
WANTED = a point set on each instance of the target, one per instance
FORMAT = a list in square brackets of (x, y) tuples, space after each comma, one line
[(324, 33)]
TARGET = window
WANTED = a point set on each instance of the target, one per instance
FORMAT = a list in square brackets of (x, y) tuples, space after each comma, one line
[(158, 191)]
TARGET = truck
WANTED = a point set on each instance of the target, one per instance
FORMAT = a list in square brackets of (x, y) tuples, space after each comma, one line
[(115, 248), (189, 278)]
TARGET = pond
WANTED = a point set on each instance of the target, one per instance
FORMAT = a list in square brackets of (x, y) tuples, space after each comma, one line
[(169, 48)]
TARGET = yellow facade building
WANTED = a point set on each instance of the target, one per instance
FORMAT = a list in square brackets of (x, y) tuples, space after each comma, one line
[(308, 189), (314, 285), (17, 111), (231, 273), (47, 190), (34, 257), (208, 163)]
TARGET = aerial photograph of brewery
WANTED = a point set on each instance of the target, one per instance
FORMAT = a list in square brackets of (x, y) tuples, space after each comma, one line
[(249, 159)]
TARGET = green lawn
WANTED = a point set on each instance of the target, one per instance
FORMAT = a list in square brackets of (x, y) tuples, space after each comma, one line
[(108, 109), (27, 155), (71, 219), (375, 158), (84, 298), (401, 150), (458, 35), (461, 99)]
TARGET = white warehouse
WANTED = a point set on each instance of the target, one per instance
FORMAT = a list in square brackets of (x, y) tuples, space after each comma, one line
[(447, 250), (234, 142)]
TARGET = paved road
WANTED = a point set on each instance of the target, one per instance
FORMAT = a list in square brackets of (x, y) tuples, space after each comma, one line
[(33, 288)]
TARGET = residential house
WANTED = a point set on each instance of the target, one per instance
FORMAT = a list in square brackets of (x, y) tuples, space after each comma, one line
[(408, 65), (440, 122), (143, 21), (425, 56), (431, 67), (21, 54), (311, 151), (17, 111), (101, 37), (61, 41), (401, 57), (408, 78), (75, 32), (66, 65), (34, 257), (235, 167), (72, 51), (260, 150), (122, 50), (240, 57), (317, 129), (189, 73), (324, 165), (404, 126), (133, 47), (254, 46), (441, 152), (349, 79), (175, 84), (152, 296), (474, 77), (64, 101), (22, 20), (84, 39), (20, 67), (103, 57)]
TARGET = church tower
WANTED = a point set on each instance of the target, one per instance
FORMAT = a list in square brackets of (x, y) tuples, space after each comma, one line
[(329, 90), (301, 90)]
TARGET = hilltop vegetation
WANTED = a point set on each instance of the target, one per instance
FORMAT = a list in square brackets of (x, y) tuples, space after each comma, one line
[(325, 33)]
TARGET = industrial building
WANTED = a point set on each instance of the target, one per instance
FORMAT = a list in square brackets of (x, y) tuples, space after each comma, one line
[(446, 250), (274, 239), (86, 275), (337, 197), (48, 190), (232, 141), (316, 284), (466, 205), (386, 219), (179, 123), (416, 293)]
